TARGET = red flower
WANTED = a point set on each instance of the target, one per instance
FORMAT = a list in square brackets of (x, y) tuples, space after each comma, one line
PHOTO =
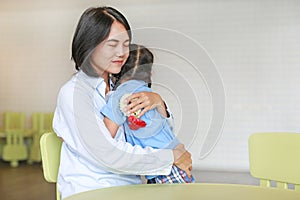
[(135, 123)]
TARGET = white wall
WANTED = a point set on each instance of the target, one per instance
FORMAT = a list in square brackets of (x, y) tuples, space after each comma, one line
[(250, 47)]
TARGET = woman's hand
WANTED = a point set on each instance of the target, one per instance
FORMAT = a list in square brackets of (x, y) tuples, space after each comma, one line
[(182, 159), (146, 101)]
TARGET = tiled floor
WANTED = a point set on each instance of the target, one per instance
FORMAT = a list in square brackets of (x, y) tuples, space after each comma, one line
[(25, 182)]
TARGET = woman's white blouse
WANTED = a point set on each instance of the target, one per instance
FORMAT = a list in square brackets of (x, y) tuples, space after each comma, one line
[(90, 157)]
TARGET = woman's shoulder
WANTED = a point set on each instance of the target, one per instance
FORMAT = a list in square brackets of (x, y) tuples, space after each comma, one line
[(68, 86)]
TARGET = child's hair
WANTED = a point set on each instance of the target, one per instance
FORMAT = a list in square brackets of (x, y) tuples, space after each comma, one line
[(137, 67)]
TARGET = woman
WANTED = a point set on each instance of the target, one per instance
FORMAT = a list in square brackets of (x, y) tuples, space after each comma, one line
[(90, 157)]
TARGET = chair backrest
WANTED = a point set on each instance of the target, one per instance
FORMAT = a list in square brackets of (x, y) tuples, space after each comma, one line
[(50, 151), (35, 121), (45, 122), (41, 123), (14, 121), (14, 127), (275, 157)]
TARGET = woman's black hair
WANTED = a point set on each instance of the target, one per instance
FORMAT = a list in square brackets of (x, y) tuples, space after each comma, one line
[(137, 67), (93, 27)]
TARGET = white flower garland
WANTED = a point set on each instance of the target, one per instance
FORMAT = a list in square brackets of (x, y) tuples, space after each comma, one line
[(123, 104)]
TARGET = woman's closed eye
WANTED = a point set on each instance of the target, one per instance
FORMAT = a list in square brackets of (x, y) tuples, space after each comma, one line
[(112, 43), (126, 44)]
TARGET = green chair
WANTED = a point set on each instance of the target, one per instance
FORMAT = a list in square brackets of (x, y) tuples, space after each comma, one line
[(45, 122), (34, 124), (2, 139), (32, 139), (14, 149), (50, 150), (41, 123), (275, 157)]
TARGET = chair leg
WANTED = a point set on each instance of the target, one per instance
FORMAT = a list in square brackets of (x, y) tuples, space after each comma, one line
[(264, 183), (57, 193), (282, 185), (14, 163), (29, 162)]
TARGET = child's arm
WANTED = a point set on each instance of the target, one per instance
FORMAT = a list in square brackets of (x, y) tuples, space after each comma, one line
[(111, 126)]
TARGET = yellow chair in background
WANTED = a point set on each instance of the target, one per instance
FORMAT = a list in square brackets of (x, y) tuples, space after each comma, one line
[(275, 157), (14, 149), (34, 124), (1, 131), (2, 139), (45, 122), (41, 123), (34, 142), (50, 150)]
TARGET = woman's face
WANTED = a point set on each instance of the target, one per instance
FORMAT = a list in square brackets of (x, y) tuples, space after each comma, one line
[(110, 55)]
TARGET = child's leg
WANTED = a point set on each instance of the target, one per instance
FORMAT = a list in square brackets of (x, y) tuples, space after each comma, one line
[(151, 181), (176, 176)]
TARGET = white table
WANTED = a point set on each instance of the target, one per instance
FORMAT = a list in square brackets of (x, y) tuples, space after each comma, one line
[(199, 191)]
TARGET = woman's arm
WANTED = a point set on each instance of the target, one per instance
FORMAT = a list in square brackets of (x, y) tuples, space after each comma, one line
[(78, 121), (146, 101), (108, 112), (182, 159)]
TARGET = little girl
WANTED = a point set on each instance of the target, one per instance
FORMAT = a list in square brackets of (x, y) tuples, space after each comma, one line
[(151, 129)]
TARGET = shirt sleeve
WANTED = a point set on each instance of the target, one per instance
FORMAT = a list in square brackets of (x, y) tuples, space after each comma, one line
[(80, 125)]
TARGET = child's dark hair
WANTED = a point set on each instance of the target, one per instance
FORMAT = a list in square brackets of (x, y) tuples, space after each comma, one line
[(137, 67)]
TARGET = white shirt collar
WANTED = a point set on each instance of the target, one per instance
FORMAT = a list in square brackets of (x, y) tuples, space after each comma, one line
[(97, 83)]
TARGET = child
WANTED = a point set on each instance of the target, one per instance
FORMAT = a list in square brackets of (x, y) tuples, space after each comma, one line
[(151, 129)]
